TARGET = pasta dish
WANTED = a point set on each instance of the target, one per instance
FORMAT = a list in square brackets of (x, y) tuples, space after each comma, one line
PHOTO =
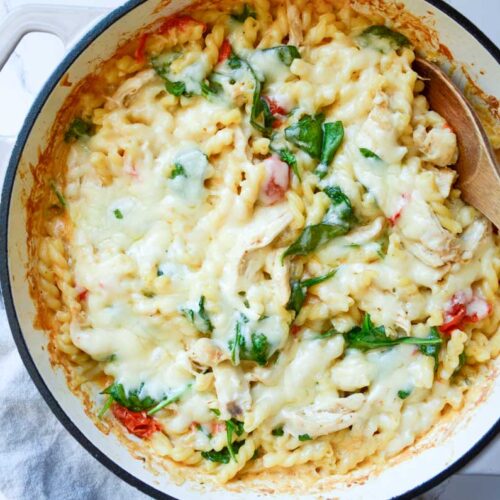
[(249, 251)]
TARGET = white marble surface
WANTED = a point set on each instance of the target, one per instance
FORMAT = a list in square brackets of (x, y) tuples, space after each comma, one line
[(20, 80)]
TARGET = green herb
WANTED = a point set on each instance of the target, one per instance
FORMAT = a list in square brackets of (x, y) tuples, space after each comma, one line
[(177, 171), (162, 65), (434, 348), (259, 350), (278, 431), (289, 158), (223, 456), (286, 53), (118, 213), (328, 334), (111, 358), (337, 221), (58, 194), (233, 61), (215, 411), (381, 37), (210, 88), (235, 426), (200, 318), (298, 291), (369, 337), (333, 134), (404, 394), (383, 243), (78, 129), (173, 398), (159, 272), (106, 407), (132, 400), (368, 153), (148, 294), (307, 134), (244, 14), (305, 437)]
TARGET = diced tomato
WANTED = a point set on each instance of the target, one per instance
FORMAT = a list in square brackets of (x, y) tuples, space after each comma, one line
[(178, 22), (140, 51), (277, 123), (295, 329), (402, 203), (218, 427), (82, 293), (274, 107), (136, 422), (224, 51), (276, 182), (464, 307)]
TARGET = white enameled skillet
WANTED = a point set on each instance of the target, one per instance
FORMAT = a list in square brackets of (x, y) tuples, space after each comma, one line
[(405, 479)]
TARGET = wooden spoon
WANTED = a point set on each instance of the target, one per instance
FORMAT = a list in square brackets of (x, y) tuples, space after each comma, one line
[(478, 171)]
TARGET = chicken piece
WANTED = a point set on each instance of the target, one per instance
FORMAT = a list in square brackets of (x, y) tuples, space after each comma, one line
[(472, 237), (129, 88), (365, 234), (318, 421), (424, 236), (438, 145), (204, 352), (233, 390)]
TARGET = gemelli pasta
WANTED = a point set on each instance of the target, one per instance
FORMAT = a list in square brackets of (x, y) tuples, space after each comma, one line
[(249, 248)]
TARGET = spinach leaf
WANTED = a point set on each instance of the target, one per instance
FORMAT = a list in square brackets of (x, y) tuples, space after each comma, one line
[(382, 38), (244, 14), (223, 456), (337, 221), (59, 196), (307, 134), (209, 88), (404, 394), (286, 53), (328, 334), (305, 437), (235, 426), (233, 61), (118, 213), (289, 158), (368, 153), (162, 65), (132, 400), (369, 337), (78, 129), (215, 411), (258, 351), (299, 291), (278, 432), (178, 170), (383, 243), (462, 360), (333, 134), (433, 349), (173, 398), (200, 318)]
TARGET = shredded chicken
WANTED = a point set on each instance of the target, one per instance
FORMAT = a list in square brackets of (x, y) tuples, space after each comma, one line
[(204, 352), (438, 145), (367, 233), (316, 420), (472, 237), (233, 390), (129, 88)]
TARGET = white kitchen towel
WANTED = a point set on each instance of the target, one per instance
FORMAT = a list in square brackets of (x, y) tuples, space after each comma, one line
[(39, 459)]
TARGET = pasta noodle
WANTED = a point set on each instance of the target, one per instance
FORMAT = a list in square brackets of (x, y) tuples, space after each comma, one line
[(254, 246)]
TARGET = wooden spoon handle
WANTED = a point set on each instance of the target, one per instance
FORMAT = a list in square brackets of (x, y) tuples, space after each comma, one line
[(481, 187)]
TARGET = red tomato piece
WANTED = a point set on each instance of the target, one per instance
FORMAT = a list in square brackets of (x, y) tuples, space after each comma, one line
[(82, 293), (136, 422), (453, 318), (274, 107), (295, 329), (224, 51), (178, 22), (276, 182), (140, 51), (402, 203)]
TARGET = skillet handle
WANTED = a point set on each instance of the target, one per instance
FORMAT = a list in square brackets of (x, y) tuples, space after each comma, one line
[(64, 21)]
